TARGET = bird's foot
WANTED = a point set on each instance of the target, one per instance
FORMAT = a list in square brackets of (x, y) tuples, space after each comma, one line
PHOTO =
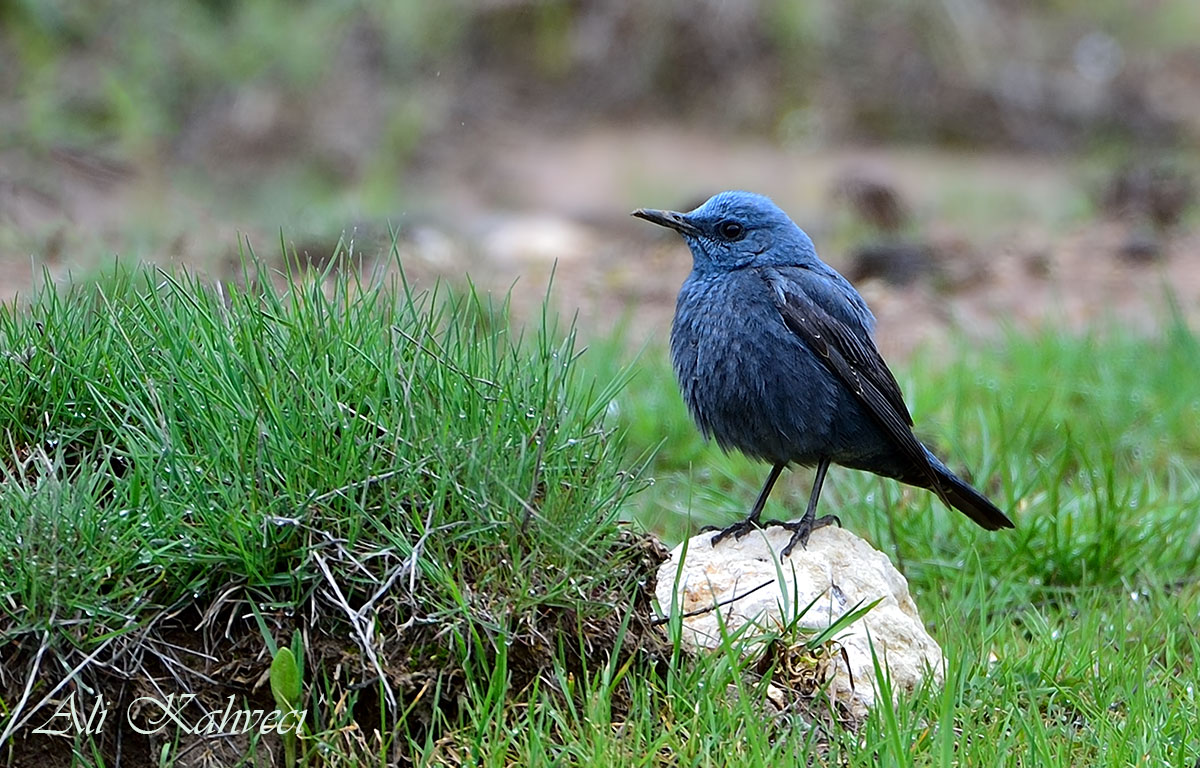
[(737, 530), (802, 528)]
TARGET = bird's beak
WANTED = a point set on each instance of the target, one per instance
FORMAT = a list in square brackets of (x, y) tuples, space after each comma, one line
[(668, 219)]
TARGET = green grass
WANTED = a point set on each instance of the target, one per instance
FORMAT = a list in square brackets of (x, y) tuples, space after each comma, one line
[(211, 435), (1090, 608), (1089, 441), (167, 443)]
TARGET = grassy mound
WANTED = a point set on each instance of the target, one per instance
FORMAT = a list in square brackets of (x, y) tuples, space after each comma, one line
[(191, 473)]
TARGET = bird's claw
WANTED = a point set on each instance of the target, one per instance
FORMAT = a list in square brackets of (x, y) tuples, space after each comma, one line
[(803, 528), (737, 530)]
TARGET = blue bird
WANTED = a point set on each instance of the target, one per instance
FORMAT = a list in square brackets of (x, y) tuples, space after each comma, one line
[(775, 356)]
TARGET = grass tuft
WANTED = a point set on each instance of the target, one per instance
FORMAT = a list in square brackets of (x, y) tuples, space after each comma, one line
[(351, 459)]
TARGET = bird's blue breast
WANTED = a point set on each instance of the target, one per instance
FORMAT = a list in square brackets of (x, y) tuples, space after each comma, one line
[(748, 381)]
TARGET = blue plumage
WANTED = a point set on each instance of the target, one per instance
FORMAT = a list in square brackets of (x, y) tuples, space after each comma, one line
[(775, 357)]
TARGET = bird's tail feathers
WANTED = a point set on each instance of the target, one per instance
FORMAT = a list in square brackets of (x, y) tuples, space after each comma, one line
[(972, 503), (959, 494)]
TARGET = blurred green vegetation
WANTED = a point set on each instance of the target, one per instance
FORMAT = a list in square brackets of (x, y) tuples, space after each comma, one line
[(133, 76), (146, 129)]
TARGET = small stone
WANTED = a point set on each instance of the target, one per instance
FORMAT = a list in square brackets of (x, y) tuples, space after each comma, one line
[(1141, 246), (1159, 192), (896, 263), (838, 570), (874, 198), (537, 239)]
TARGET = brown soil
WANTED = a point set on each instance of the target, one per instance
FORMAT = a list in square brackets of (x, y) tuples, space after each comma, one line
[(1011, 236), (216, 651)]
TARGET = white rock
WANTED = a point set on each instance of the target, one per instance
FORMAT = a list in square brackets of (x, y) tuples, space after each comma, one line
[(838, 570), (537, 239)]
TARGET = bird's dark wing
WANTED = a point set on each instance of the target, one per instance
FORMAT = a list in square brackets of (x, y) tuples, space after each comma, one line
[(850, 354)]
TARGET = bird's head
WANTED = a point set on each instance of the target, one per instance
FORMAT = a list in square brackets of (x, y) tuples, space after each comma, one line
[(732, 230)]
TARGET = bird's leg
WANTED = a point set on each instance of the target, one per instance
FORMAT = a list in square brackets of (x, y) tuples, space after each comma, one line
[(740, 529), (810, 522)]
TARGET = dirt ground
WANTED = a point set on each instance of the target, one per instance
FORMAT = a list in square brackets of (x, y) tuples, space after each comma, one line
[(1002, 240)]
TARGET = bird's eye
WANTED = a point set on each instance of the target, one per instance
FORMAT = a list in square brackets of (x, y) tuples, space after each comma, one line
[(731, 230)]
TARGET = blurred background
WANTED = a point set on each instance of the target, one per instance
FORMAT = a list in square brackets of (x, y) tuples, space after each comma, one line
[(972, 165)]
